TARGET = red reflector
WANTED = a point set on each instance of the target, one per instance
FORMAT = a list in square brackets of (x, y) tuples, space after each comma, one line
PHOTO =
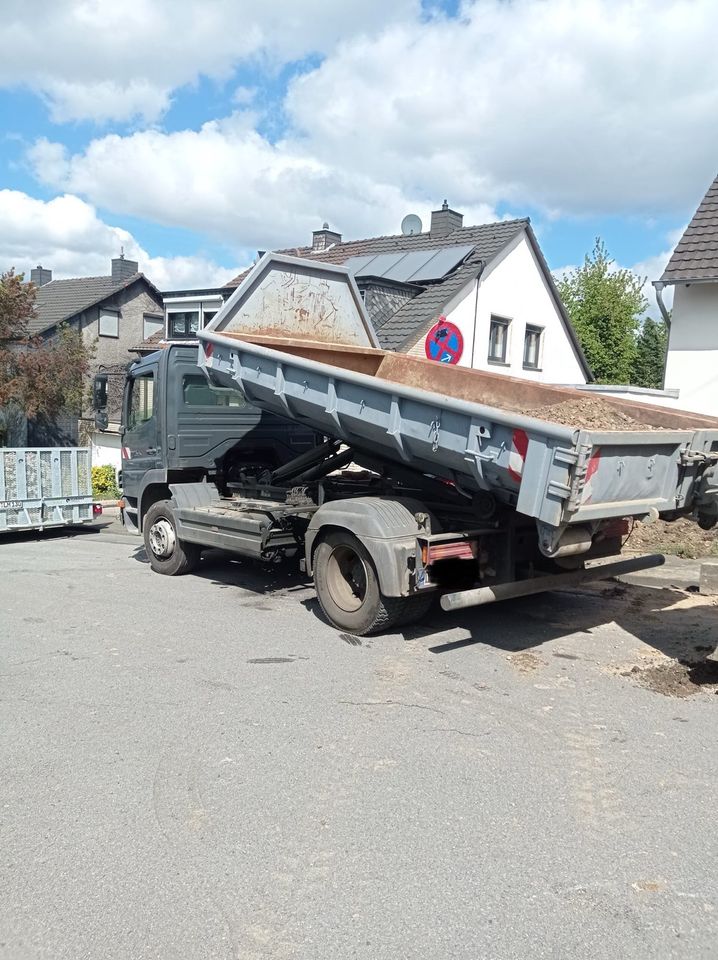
[(615, 528), (208, 350), (96, 509), (462, 550)]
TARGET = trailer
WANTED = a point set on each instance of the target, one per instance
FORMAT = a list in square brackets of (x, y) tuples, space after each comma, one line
[(433, 481), (44, 487)]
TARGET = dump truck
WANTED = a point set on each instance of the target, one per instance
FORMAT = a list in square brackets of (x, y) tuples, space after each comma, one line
[(43, 487), (431, 481)]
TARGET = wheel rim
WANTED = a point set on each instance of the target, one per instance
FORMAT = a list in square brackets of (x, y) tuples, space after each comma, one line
[(347, 578), (162, 538)]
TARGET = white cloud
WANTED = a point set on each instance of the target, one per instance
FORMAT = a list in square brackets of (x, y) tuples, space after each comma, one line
[(100, 60), (227, 181), (66, 235), (570, 108), (584, 107)]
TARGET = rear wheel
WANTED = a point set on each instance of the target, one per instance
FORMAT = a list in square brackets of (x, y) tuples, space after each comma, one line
[(167, 554), (348, 587)]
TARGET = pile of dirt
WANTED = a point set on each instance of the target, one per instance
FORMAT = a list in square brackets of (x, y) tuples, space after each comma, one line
[(591, 413), (681, 538), (678, 678)]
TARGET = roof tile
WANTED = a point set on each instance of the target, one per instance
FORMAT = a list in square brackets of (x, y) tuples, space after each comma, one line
[(61, 299), (696, 256)]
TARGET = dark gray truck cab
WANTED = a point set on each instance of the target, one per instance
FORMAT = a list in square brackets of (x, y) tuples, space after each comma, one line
[(177, 428)]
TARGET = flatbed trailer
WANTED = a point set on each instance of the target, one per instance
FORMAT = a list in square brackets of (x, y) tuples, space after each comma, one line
[(43, 487), (434, 481)]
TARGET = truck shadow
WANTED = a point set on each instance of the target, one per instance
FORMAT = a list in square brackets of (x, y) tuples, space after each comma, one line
[(227, 570), (671, 621)]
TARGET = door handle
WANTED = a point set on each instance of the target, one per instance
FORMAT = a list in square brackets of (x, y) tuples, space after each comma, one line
[(151, 450)]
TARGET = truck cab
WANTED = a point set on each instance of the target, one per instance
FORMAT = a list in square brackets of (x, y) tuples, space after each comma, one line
[(178, 428)]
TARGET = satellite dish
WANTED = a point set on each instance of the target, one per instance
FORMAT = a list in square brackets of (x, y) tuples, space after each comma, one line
[(410, 224)]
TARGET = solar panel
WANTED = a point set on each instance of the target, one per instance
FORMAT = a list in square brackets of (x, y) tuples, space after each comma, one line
[(441, 262), (355, 264), (409, 266)]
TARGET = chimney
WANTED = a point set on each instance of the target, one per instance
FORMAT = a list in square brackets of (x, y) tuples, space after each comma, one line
[(123, 269), (445, 221), (325, 238), (40, 276)]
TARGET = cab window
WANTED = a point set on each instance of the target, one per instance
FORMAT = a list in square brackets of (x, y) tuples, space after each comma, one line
[(142, 400), (198, 392)]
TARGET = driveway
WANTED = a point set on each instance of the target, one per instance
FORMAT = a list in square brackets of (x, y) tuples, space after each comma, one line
[(201, 768)]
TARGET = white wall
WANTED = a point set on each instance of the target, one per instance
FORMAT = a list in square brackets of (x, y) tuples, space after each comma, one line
[(106, 449), (692, 365), (513, 287)]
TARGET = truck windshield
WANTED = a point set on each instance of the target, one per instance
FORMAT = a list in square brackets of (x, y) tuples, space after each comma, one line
[(197, 392), (141, 401)]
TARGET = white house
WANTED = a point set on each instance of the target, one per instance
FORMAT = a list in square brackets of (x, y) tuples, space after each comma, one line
[(692, 359), (483, 295)]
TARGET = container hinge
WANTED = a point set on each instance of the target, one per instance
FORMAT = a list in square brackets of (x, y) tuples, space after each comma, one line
[(691, 457), (581, 457)]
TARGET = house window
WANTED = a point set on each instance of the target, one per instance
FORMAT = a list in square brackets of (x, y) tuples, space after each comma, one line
[(208, 316), (151, 324), (109, 323), (182, 326), (498, 339), (532, 347)]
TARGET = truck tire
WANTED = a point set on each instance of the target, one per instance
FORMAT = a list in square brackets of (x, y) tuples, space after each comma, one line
[(417, 607), (348, 587), (166, 553)]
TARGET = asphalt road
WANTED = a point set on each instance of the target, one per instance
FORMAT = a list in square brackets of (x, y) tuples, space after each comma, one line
[(201, 768)]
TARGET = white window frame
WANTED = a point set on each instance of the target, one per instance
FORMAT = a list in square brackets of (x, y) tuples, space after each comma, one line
[(112, 315), (505, 322), (185, 312), (532, 328), (158, 322)]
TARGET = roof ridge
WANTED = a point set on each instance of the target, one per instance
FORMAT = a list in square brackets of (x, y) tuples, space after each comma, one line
[(399, 236), (101, 276)]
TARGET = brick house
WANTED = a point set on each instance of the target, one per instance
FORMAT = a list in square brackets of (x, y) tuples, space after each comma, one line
[(112, 313)]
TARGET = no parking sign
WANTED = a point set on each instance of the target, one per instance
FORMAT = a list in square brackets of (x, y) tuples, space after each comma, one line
[(444, 342)]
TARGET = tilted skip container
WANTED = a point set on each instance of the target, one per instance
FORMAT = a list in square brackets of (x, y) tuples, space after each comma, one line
[(295, 339)]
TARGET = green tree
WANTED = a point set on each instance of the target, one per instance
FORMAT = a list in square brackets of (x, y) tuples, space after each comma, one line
[(38, 376), (650, 354), (605, 306)]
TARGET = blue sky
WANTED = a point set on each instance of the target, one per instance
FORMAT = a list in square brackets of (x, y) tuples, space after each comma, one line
[(194, 148)]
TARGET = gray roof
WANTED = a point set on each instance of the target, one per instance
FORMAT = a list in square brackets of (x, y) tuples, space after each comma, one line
[(488, 236), (417, 315), (696, 256), (60, 300)]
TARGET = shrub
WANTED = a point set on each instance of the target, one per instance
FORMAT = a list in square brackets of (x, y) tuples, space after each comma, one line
[(104, 483)]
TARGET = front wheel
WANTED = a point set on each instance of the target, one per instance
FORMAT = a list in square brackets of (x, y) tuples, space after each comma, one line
[(167, 554), (348, 587)]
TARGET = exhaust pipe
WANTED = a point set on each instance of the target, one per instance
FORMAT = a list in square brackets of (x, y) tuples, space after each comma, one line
[(558, 581)]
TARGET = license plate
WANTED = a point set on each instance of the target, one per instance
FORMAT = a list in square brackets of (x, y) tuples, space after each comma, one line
[(10, 504)]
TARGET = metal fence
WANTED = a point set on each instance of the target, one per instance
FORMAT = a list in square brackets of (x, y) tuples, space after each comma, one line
[(44, 487)]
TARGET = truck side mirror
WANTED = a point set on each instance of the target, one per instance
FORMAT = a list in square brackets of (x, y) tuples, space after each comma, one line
[(99, 401), (99, 392)]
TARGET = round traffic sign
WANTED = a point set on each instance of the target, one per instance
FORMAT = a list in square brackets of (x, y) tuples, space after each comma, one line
[(444, 342)]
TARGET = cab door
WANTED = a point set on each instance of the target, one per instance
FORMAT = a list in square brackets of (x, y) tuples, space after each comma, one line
[(142, 436)]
